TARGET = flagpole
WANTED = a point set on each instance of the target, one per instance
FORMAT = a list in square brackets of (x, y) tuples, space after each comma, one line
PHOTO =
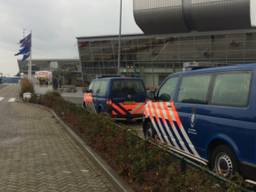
[(119, 38), (30, 68), (30, 62)]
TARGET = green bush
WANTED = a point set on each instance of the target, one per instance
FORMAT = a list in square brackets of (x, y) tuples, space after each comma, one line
[(26, 87)]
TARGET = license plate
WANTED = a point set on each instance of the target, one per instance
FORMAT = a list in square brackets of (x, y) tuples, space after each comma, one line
[(129, 102)]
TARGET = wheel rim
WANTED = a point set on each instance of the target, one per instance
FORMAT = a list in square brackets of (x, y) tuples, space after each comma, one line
[(224, 165)]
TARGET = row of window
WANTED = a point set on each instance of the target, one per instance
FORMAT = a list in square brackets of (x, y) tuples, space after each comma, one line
[(119, 88), (227, 89), (99, 88)]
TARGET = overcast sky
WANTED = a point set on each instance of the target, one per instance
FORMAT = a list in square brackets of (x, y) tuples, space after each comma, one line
[(56, 24)]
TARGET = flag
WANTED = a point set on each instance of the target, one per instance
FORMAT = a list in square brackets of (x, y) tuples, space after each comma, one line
[(25, 47), (25, 56), (26, 39)]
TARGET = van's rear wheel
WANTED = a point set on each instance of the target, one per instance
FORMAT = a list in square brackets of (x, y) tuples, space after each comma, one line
[(223, 161)]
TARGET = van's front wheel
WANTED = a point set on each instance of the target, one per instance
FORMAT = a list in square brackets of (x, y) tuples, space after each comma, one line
[(148, 130), (223, 161)]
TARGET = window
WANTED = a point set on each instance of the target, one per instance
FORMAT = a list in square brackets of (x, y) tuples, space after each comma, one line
[(167, 91), (95, 87), (100, 88), (103, 88), (232, 89), (124, 87), (91, 86), (194, 89)]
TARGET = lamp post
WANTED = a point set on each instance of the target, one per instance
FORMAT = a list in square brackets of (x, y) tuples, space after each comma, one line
[(119, 37)]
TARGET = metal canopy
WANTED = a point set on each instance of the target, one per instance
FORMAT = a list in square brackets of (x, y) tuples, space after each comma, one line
[(181, 16)]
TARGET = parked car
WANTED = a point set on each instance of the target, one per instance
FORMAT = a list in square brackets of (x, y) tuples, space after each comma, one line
[(123, 98), (208, 115)]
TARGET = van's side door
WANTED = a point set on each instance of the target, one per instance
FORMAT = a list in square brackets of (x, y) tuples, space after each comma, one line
[(161, 109), (191, 105), (100, 95)]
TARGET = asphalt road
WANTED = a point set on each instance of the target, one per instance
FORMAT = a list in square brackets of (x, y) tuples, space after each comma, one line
[(8, 94), (2, 86)]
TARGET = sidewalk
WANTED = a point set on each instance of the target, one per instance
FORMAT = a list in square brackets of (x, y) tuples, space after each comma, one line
[(38, 155)]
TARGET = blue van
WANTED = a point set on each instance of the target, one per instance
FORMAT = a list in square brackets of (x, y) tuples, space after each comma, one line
[(123, 98), (208, 115)]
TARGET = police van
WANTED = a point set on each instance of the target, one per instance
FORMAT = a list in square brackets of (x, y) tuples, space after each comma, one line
[(123, 98), (208, 115)]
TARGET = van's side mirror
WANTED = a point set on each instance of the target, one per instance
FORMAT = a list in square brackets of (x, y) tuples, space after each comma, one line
[(151, 95), (164, 97), (87, 90)]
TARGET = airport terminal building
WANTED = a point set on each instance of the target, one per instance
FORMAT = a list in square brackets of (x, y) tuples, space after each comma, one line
[(154, 57), (175, 34)]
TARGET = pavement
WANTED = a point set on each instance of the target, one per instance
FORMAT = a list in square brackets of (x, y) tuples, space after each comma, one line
[(76, 97), (37, 154)]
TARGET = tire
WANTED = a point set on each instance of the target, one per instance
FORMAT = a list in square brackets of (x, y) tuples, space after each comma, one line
[(223, 161), (148, 130)]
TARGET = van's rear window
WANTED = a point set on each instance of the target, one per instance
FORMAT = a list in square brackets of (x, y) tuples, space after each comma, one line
[(125, 87)]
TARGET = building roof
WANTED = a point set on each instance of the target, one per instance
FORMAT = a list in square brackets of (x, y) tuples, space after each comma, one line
[(109, 37), (53, 59), (143, 36)]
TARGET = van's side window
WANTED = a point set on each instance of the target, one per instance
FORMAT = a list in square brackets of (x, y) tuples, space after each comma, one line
[(100, 88), (103, 88), (167, 91), (194, 89), (95, 88), (231, 89), (91, 86)]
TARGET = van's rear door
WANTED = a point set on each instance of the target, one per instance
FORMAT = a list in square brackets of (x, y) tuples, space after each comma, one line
[(128, 96)]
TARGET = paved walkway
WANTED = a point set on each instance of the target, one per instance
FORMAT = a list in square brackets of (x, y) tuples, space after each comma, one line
[(37, 155)]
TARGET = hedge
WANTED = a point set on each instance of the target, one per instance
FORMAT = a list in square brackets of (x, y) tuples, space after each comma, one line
[(144, 166)]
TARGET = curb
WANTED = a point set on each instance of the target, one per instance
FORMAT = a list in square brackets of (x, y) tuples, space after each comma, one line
[(118, 183)]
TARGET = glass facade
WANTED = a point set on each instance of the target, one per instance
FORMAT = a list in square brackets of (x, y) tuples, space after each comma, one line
[(155, 57)]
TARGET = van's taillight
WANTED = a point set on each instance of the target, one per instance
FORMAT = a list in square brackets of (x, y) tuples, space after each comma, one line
[(109, 102)]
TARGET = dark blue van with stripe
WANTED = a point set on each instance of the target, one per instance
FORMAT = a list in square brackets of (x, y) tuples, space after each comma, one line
[(123, 98), (208, 115)]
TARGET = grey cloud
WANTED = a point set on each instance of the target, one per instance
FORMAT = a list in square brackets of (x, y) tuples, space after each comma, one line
[(55, 25)]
